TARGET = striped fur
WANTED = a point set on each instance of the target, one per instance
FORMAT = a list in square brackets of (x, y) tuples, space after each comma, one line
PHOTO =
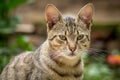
[(59, 57)]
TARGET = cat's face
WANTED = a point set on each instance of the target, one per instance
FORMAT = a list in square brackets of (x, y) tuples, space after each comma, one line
[(69, 37)]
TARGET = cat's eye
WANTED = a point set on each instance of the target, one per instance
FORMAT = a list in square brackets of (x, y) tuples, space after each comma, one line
[(80, 37), (62, 37)]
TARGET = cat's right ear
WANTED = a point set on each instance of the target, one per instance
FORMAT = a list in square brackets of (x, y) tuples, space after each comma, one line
[(52, 15)]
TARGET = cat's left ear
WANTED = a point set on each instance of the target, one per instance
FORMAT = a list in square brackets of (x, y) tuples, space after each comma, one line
[(85, 14), (53, 15)]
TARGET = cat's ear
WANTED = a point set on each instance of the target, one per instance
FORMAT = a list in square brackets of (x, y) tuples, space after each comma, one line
[(85, 14), (52, 15)]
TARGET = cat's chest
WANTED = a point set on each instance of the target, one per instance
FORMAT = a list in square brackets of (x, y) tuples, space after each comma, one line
[(47, 73), (66, 77), (49, 69), (57, 73), (42, 76)]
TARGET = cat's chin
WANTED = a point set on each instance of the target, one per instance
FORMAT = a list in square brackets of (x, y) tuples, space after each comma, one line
[(72, 54)]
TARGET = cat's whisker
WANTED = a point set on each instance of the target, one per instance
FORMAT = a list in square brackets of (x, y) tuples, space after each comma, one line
[(97, 54), (105, 51), (98, 51)]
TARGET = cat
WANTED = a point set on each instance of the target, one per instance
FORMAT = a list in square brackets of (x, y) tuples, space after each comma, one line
[(59, 57)]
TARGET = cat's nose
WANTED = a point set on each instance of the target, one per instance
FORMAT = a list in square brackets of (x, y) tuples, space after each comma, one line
[(72, 48)]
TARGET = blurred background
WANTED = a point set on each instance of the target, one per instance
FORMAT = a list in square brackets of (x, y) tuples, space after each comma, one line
[(23, 28)]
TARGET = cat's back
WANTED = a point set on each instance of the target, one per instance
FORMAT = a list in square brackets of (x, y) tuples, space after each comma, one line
[(19, 67)]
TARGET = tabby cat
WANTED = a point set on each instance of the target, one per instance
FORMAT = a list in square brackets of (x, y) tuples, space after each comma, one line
[(59, 57)]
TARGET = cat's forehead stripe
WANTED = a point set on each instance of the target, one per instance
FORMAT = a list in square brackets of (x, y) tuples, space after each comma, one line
[(70, 24), (69, 20)]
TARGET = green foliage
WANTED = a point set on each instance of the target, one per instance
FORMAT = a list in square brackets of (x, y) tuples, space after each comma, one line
[(8, 22), (97, 71), (118, 31), (20, 45), (7, 26), (7, 5), (22, 42)]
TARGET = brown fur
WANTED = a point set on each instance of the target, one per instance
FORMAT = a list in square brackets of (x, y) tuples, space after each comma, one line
[(59, 57)]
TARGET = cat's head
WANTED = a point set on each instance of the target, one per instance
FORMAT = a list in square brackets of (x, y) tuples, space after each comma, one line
[(69, 36)]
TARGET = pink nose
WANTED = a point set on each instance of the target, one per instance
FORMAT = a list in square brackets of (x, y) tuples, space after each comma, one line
[(72, 48)]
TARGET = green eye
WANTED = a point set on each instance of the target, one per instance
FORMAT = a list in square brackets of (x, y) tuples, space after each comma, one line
[(62, 37), (80, 37)]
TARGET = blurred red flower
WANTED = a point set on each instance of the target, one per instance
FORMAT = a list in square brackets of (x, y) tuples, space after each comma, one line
[(114, 59)]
